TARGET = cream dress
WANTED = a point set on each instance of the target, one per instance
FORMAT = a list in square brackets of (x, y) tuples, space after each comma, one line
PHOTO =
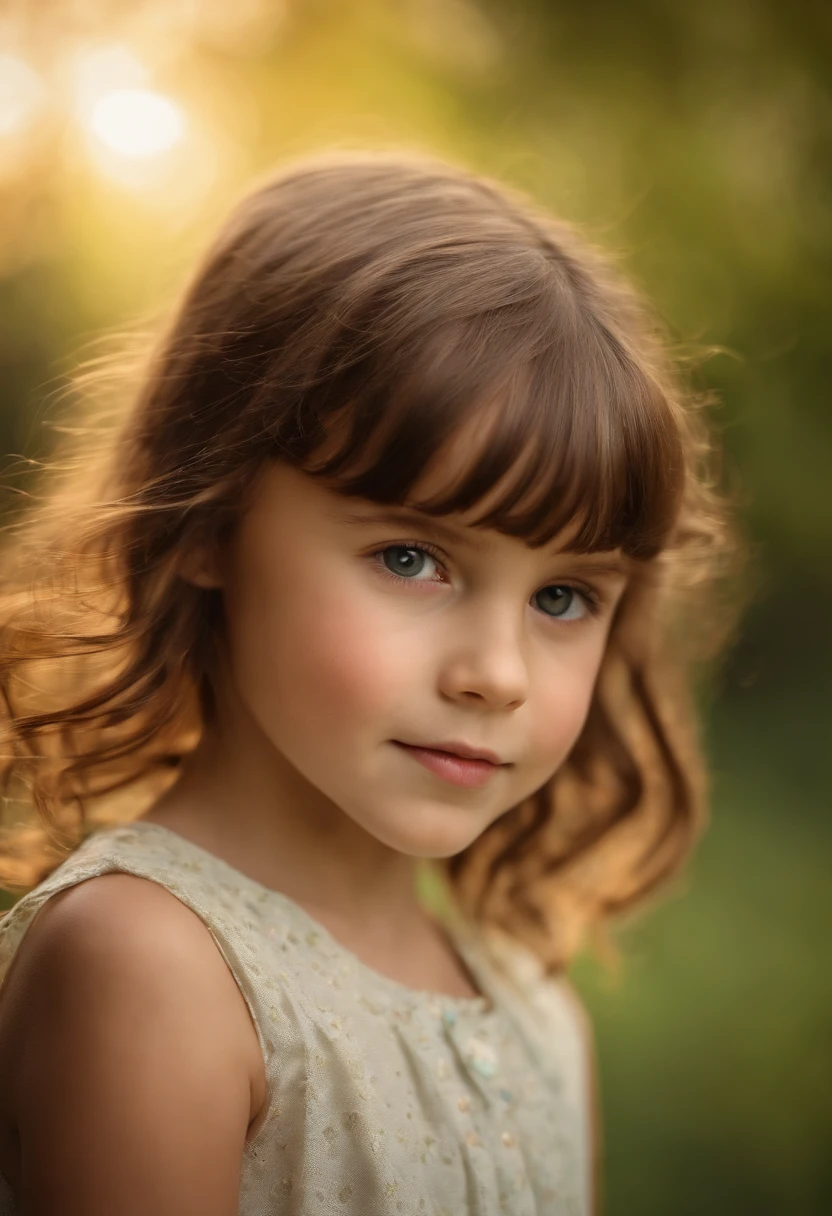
[(380, 1098)]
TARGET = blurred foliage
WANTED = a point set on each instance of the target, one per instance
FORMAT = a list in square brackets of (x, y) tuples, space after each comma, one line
[(694, 140)]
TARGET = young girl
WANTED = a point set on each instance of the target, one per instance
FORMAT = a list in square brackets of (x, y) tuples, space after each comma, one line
[(379, 603)]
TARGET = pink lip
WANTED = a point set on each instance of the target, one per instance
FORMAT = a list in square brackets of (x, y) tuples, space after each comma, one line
[(455, 769), (462, 749)]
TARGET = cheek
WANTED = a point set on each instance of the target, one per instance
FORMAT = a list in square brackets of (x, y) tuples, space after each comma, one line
[(317, 653), (562, 697)]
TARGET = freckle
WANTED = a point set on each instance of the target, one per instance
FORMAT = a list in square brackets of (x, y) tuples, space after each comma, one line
[(508, 1139), (472, 1139), (464, 1104)]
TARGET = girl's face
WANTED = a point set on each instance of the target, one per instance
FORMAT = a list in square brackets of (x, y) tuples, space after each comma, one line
[(358, 634)]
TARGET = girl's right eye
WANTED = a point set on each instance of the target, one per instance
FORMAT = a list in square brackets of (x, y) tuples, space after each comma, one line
[(406, 562)]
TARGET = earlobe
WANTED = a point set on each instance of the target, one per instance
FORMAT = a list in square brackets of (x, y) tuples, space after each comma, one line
[(201, 567)]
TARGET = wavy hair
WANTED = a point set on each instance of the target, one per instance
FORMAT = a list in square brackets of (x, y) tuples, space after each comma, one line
[(366, 305)]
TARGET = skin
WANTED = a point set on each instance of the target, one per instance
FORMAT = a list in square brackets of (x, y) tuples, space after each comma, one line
[(331, 658), (328, 659)]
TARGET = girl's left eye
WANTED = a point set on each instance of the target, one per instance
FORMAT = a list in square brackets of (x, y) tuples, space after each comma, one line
[(559, 601), (564, 603)]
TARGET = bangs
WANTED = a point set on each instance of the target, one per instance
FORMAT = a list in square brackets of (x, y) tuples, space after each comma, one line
[(581, 435)]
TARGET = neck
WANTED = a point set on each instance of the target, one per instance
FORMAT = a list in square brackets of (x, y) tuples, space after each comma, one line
[(240, 799)]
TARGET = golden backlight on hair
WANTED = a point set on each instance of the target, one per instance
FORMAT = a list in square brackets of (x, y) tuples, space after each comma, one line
[(355, 316)]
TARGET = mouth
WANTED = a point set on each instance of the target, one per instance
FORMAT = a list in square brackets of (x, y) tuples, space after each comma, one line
[(471, 771), (453, 747)]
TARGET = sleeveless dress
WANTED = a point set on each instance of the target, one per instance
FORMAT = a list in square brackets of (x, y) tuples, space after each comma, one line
[(380, 1098)]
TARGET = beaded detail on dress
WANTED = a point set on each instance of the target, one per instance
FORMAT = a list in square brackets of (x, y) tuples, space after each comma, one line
[(380, 1098)]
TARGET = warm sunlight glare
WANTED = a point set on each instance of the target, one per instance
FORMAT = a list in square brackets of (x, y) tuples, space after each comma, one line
[(21, 95), (137, 122), (97, 69)]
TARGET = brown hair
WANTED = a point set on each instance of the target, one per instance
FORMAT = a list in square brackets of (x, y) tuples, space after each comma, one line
[(395, 295)]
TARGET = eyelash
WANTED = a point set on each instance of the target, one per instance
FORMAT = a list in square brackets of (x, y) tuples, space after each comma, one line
[(592, 600)]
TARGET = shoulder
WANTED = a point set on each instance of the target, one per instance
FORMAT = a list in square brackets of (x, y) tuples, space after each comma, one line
[(588, 1092), (575, 1009), (566, 1031), (552, 996), (561, 1010), (118, 942), (120, 1021), (124, 928)]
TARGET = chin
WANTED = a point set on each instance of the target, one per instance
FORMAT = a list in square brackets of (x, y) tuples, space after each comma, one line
[(432, 831)]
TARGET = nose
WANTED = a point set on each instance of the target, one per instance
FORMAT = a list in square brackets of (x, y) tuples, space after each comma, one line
[(485, 661)]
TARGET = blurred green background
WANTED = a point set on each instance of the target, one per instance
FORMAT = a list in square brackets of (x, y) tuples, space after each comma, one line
[(694, 140)]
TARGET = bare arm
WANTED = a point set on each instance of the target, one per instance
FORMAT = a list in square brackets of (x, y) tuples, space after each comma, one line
[(127, 1058)]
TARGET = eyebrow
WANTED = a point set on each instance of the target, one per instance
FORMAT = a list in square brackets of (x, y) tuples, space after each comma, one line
[(409, 517)]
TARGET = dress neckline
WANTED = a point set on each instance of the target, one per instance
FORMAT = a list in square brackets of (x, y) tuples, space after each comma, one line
[(461, 935)]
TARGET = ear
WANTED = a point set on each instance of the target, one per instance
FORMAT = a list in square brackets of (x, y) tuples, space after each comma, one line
[(200, 566)]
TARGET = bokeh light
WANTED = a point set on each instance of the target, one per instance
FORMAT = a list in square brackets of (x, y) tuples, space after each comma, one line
[(21, 96), (137, 136), (137, 122), (95, 70)]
